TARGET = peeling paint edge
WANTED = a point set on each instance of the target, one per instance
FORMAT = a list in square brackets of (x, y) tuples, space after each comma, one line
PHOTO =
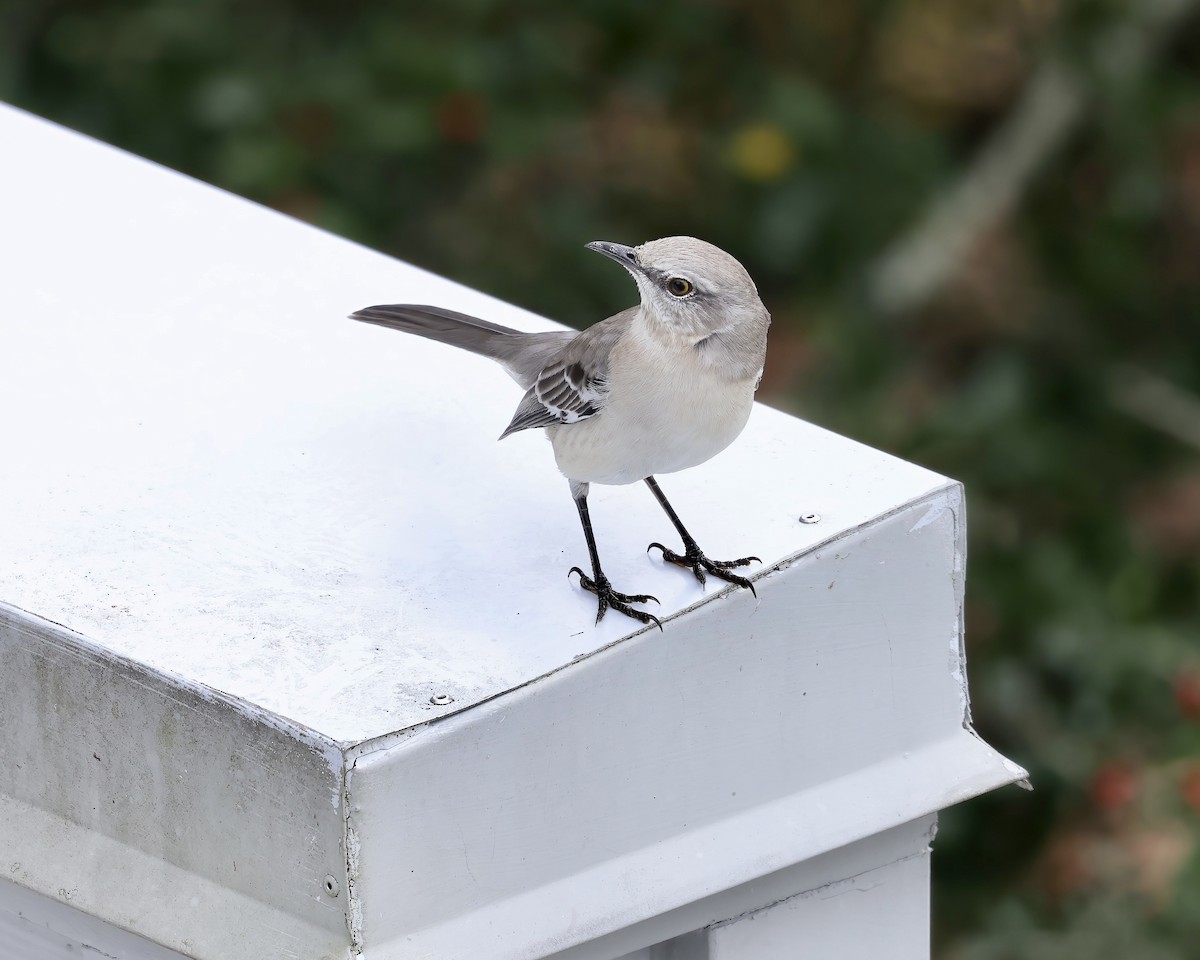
[(958, 643), (353, 848)]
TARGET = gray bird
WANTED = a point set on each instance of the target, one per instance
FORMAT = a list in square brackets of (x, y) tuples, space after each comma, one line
[(659, 387)]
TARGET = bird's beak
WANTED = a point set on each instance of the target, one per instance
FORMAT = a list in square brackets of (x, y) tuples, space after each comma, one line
[(625, 256)]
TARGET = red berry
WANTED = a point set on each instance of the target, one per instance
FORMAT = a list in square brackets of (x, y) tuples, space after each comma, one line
[(1189, 787), (1114, 786), (1187, 694)]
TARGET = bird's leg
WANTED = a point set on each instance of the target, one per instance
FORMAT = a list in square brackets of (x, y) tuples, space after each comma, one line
[(692, 557), (598, 583)]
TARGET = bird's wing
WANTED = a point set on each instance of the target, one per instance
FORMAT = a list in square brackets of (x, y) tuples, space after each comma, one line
[(573, 385)]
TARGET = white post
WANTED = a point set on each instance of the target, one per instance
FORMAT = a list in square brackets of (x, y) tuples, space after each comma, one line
[(290, 665), (881, 911)]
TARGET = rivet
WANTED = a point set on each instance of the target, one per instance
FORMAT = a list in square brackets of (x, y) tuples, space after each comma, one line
[(331, 885), (441, 699), (811, 518)]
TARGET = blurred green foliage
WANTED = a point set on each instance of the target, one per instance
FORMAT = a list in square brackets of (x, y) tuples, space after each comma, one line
[(488, 141)]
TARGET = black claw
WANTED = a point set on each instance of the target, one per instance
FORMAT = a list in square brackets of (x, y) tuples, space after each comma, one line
[(744, 562), (610, 599), (698, 563)]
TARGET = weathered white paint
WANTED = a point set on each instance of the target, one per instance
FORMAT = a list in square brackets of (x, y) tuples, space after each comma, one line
[(33, 927), (138, 798), (243, 540)]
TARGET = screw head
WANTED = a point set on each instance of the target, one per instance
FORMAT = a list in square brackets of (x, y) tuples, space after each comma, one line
[(811, 518), (331, 886), (441, 699)]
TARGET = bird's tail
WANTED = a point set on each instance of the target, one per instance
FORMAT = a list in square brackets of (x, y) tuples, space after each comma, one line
[(445, 326), (523, 355)]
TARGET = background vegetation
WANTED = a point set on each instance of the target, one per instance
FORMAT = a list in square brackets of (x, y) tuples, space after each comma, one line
[(977, 224)]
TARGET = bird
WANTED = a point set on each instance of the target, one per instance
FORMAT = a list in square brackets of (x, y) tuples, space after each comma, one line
[(660, 387)]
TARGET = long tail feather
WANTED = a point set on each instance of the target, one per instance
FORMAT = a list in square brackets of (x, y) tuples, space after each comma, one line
[(523, 355), (436, 323)]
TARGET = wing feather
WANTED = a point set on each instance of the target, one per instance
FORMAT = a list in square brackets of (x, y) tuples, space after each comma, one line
[(573, 385)]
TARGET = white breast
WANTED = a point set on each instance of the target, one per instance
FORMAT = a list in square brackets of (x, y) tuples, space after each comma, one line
[(667, 410)]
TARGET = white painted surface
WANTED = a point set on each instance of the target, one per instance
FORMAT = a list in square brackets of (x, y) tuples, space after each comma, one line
[(160, 806), (879, 913), (243, 540), (210, 470), (667, 769), (841, 868), (33, 927)]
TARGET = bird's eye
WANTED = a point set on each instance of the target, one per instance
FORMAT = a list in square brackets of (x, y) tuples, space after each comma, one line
[(678, 287)]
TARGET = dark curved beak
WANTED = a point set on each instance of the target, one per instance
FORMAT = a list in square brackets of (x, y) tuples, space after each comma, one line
[(625, 256)]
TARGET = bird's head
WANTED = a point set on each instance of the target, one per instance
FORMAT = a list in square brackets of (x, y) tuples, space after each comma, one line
[(691, 289)]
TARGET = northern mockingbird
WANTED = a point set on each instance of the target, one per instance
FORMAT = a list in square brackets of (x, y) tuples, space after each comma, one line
[(659, 387)]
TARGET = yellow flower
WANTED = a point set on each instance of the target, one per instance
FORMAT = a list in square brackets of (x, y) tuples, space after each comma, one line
[(762, 152)]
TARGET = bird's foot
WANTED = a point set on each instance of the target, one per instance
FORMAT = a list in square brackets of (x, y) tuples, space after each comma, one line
[(609, 598), (693, 559)]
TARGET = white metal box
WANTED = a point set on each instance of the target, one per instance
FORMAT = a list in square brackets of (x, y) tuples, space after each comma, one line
[(246, 543)]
